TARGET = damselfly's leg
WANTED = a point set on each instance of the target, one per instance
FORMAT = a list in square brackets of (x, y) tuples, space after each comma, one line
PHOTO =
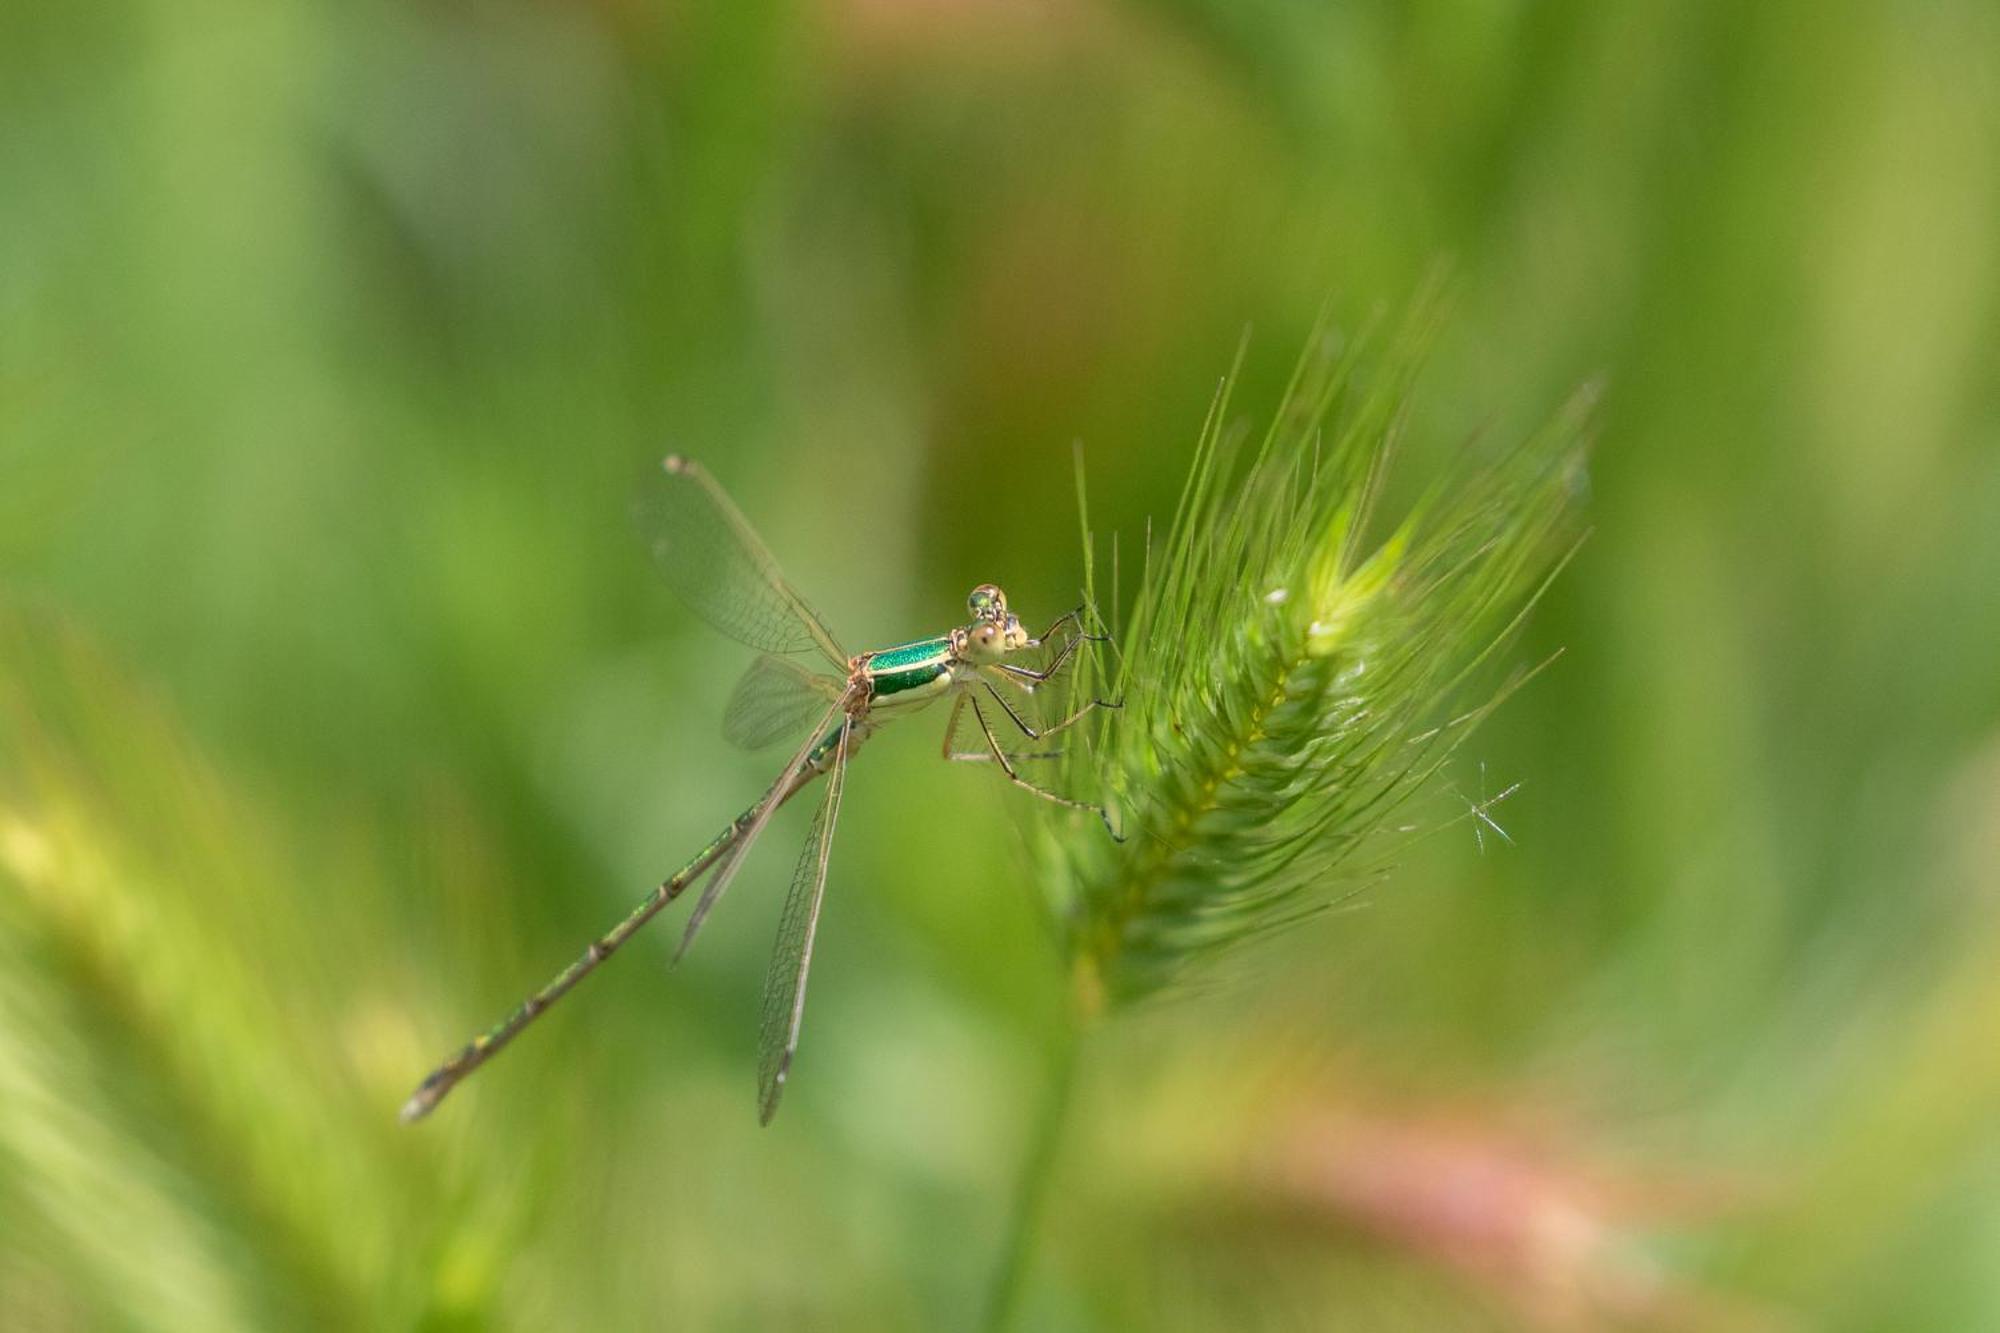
[(951, 726), (1071, 617), (1028, 677), (1032, 733), (1007, 768), (952, 752), (1074, 616)]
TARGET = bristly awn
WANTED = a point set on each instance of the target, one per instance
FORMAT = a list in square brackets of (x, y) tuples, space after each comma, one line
[(707, 550), (1479, 811)]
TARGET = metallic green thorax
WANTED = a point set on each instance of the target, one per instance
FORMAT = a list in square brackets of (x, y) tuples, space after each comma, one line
[(908, 666)]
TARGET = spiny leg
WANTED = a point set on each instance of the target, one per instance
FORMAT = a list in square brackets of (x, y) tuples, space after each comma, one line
[(1030, 732), (951, 725), (986, 756), (1007, 768), (1063, 654), (1074, 617), (951, 752), (1027, 679)]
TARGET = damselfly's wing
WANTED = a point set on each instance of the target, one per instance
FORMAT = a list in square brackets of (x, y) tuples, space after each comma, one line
[(714, 560), (785, 983), (774, 699), (732, 861)]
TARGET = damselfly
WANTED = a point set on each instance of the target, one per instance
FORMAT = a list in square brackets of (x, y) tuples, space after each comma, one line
[(715, 561)]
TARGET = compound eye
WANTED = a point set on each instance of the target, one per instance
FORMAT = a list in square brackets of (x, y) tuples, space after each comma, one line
[(986, 600)]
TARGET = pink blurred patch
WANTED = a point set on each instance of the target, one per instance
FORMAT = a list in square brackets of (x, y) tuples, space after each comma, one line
[(1557, 1238), (984, 28)]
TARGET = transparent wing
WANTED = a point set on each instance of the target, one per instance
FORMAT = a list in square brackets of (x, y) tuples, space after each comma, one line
[(775, 698), (725, 870), (785, 983), (714, 560)]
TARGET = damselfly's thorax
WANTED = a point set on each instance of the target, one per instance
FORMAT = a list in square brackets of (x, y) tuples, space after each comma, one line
[(912, 674)]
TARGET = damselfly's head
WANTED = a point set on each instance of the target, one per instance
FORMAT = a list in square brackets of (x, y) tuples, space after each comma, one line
[(994, 632)]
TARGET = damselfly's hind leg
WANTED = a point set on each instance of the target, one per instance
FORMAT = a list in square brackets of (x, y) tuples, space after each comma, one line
[(951, 725), (980, 756), (1029, 730), (1007, 767)]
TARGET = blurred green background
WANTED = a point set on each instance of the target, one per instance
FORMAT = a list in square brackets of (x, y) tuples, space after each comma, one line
[(339, 705)]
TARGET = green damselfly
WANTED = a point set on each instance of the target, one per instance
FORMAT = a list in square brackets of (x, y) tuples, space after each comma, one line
[(713, 558)]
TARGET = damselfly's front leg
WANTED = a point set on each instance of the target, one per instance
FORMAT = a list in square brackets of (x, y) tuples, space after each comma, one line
[(1027, 677), (1007, 767)]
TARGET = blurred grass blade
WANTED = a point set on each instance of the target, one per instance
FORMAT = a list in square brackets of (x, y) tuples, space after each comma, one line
[(192, 1077)]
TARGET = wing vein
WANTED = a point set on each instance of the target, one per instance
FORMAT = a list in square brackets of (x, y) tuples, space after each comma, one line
[(714, 559), (791, 958)]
